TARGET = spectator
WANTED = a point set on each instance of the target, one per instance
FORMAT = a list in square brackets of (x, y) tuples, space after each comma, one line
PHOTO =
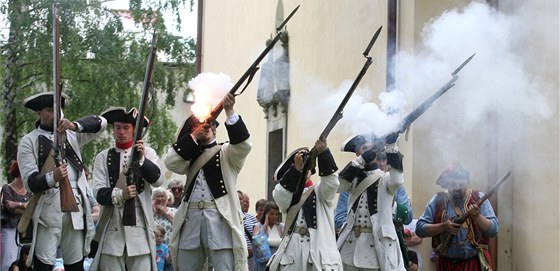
[(170, 198), (271, 225), (176, 187), (259, 208), (249, 222), (163, 215), (162, 250), (14, 201)]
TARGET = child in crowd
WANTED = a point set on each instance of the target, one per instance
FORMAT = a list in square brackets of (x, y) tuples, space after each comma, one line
[(162, 250)]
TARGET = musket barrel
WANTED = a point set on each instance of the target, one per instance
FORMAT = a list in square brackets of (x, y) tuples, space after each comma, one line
[(310, 160), (246, 78), (129, 208), (424, 106), (67, 200)]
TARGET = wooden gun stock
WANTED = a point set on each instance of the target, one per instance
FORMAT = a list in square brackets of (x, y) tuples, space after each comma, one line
[(444, 246), (67, 199)]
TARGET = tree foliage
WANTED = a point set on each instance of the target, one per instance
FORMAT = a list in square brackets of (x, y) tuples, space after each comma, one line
[(102, 64)]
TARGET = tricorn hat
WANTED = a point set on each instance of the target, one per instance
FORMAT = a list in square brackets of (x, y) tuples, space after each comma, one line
[(454, 172), (285, 165), (120, 114), (45, 99), (353, 143)]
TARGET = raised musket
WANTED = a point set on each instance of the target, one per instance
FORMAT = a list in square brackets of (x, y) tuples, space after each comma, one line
[(129, 208), (419, 110), (311, 158), (247, 76), (67, 199)]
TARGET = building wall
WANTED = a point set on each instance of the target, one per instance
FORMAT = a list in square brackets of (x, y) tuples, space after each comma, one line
[(327, 39)]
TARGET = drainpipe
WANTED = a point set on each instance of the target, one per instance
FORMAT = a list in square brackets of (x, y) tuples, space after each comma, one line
[(391, 44), (198, 60)]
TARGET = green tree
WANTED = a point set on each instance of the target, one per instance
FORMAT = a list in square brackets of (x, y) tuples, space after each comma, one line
[(102, 64)]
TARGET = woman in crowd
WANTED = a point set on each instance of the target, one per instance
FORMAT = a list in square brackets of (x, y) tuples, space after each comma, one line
[(163, 215), (270, 223), (14, 201)]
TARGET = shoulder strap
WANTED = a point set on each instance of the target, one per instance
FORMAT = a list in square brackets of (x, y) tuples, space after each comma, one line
[(206, 155), (367, 182), (294, 210)]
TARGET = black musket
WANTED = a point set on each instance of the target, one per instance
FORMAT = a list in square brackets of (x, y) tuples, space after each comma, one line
[(129, 212), (67, 199), (247, 76), (310, 159), (419, 110)]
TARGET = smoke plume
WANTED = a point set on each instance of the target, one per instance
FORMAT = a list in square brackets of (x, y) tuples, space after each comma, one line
[(209, 90)]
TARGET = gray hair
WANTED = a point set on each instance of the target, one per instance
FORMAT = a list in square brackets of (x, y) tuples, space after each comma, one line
[(174, 182), (159, 191)]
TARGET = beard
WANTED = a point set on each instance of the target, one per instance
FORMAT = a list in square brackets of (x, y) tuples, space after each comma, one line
[(457, 197)]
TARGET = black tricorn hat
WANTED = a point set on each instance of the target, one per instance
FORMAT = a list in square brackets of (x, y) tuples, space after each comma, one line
[(45, 99), (288, 161), (120, 114), (353, 143)]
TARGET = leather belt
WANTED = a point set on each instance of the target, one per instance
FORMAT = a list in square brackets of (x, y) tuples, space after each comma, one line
[(303, 231), (359, 230), (202, 205)]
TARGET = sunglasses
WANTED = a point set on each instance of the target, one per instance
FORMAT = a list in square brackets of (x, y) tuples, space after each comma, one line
[(176, 189)]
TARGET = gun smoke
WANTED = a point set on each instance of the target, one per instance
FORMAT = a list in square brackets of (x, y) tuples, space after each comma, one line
[(208, 89), (495, 83)]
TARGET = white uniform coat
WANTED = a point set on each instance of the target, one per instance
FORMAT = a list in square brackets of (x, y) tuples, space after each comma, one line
[(384, 235), (231, 161), (48, 211), (322, 242), (139, 239)]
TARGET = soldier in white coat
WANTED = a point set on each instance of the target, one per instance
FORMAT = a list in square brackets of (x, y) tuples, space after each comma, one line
[(209, 222), (368, 240), (125, 247), (71, 231), (309, 242)]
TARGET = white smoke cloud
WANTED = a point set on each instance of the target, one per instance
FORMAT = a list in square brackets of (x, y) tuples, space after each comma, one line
[(209, 90), (495, 83), (360, 114)]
